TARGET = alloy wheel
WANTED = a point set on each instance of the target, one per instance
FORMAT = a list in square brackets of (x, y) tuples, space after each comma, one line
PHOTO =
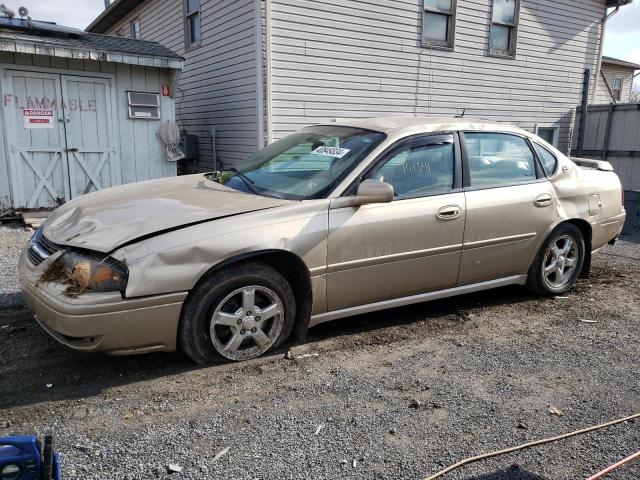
[(247, 322), (560, 262)]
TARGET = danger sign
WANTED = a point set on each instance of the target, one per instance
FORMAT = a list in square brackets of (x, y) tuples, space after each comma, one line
[(37, 118)]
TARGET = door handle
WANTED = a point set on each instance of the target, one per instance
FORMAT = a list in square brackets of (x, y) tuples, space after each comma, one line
[(543, 200), (449, 212), (71, 149)]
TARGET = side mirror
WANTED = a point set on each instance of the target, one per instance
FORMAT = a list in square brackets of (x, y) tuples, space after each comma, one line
[(369, 191)]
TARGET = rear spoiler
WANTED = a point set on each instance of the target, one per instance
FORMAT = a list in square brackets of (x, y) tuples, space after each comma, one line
[(596, 164)]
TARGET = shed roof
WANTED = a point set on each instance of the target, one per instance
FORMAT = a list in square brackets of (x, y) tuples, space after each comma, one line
[(45, 38), (620, 63)]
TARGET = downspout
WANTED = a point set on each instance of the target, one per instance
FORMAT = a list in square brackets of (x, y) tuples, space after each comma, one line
[(259, 74), (268, 83), (600, 50)]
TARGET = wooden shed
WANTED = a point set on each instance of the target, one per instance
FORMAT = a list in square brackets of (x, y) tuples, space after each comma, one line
[(80, 112)]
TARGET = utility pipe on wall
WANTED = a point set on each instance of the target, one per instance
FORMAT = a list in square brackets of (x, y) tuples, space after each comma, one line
[(268, 88)]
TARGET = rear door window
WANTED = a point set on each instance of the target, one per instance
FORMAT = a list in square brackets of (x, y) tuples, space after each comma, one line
[(498, 159), (547, 159)]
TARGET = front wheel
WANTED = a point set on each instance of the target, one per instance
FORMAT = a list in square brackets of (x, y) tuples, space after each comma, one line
[(559, 261), (237, 314)]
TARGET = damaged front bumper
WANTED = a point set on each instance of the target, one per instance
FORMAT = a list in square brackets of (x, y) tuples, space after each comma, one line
[(102, 322)]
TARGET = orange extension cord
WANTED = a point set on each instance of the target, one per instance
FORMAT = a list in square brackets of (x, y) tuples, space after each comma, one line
[(540, 442), (610, 469)]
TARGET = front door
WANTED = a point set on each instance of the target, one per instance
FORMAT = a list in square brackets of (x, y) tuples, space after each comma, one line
[(510, 205), (409, 246)]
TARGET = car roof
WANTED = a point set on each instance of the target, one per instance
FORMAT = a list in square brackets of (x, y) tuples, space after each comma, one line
[(425, 124)]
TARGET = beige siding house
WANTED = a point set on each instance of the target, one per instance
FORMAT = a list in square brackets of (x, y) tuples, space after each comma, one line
[(616, 81), (257, 70)]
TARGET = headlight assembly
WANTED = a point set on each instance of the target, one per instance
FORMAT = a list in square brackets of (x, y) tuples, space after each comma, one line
[(88, 272)]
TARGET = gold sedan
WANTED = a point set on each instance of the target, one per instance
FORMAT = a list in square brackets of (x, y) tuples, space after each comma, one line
[(332, 221)]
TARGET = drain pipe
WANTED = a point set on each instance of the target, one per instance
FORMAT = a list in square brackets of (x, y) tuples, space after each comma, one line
[(600, 50), (268, 87)]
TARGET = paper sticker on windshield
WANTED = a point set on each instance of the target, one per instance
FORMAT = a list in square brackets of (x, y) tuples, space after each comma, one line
[(336, 152)]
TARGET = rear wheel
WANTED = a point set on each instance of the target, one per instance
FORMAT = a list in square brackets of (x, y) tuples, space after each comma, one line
[(559, 262), (237, 314)]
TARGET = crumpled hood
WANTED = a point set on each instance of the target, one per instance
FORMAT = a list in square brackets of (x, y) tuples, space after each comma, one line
[(107, 219)]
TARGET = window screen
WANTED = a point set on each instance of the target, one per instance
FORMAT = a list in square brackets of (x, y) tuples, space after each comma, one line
[(419, 167), (497, 159)]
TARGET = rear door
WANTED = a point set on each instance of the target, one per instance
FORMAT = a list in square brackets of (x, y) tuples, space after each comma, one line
[(510, 205)]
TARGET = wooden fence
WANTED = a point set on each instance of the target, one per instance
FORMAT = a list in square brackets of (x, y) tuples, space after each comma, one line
[(611, 133)]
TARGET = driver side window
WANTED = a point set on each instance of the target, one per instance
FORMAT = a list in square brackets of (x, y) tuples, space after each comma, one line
[(419, 167)]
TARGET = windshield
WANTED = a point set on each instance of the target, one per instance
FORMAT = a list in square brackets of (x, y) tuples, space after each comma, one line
[(304, 165)]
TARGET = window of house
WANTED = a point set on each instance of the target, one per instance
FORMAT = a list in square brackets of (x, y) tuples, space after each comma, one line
[(497, 159), (419, 167), (547, 159), (135, 29), (504, 27), (193, 34), (548, 134), (438, 23), (616, 88)]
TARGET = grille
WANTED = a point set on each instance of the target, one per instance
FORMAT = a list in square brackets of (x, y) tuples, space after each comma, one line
[(41, 248)]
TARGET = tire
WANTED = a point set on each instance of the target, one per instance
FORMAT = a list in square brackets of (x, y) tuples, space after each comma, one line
[(220, 321), (558, 263)]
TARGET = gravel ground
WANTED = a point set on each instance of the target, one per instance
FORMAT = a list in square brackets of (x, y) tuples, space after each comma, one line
[(13, 237), (395, 395)]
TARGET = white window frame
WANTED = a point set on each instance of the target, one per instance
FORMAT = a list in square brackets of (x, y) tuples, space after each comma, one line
[(449, 43), (556, 133), (155, 105), (132, 26), (513, 33), (187, 25)]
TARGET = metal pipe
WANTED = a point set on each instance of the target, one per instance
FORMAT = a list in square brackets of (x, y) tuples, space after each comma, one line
[(268, 87), (260, 76)]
